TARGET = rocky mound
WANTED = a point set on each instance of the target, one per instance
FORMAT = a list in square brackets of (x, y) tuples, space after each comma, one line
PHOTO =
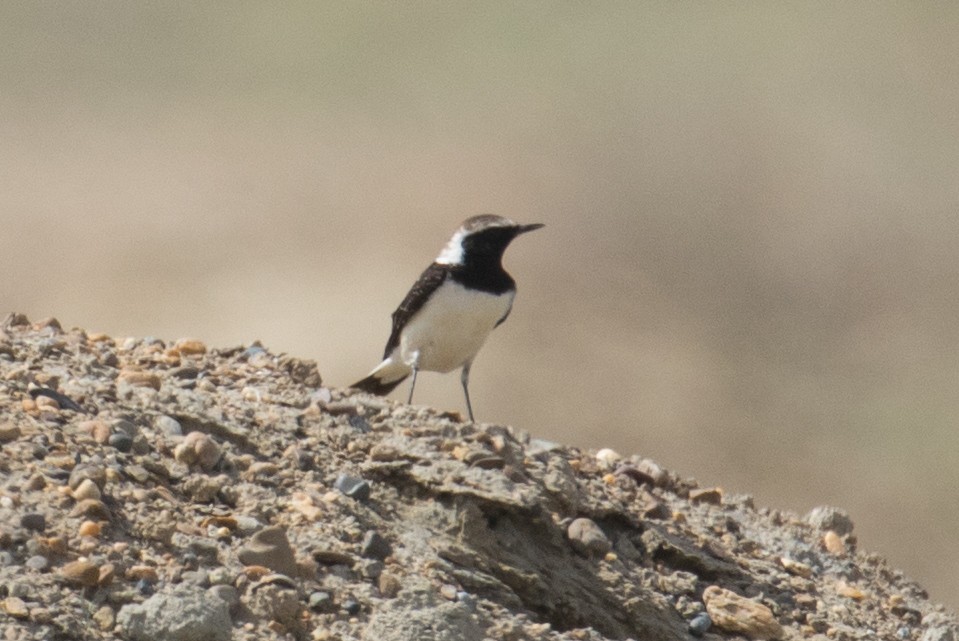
[(169, 492)]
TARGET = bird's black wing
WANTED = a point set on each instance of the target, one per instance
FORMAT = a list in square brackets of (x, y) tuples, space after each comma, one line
[(424, 287)]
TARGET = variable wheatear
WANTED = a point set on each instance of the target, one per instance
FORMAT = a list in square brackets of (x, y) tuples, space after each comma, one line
[(447, 315)]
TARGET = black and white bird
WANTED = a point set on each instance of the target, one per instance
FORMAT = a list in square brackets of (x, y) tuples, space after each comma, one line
[(451, 310)]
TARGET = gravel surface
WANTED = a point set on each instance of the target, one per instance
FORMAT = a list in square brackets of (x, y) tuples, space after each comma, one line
[(172, 492)]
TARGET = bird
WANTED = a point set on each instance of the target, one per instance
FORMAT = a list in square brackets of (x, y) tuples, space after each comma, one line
[(451, 309)]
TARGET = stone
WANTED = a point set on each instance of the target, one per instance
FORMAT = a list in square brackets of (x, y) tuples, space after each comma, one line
[(96, 473), (35, 521), (389, 585), (208, 453), (737, 614), (167, 425), (89, 528), (121, 441), (833, 543), (652, 469), (183, 613), (9, 432), (81, 573), (38, 562), (711, 496), (276, 601), (87, 490), (850, 591), (374, 546), (830, 518), (108, 572), (137, 378), (270, 548), (91, 508), (700, 624), (353, 487), (587, 538), (795, 567), (15, 319), (190, 347), (16, 608), (321, 602), (608, 458), (105, 618), (142, 573), (100, 431)]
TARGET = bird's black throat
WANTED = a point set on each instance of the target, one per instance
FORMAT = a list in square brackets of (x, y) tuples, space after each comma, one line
[(482, 265)]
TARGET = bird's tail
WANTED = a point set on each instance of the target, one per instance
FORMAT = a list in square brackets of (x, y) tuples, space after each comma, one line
[(384, 378)]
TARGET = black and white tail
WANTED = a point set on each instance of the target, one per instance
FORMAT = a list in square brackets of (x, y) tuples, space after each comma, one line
[(384, 378)]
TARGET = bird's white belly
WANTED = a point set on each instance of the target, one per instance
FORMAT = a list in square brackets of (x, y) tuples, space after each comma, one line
[(451, 327)]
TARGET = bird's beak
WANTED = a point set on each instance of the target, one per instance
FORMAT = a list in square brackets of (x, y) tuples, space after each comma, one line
[(522, 229)]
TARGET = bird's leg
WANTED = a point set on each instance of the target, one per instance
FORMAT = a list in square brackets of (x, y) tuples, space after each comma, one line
[(409, 401), (465, 379)]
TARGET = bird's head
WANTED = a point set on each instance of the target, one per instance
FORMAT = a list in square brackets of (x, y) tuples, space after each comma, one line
[(483, 237)]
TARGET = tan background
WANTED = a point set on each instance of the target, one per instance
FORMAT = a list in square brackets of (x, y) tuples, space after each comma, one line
[(750, 270)]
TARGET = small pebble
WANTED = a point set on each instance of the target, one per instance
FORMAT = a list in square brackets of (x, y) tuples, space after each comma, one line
[(208, 453), (87, 490), (168, 425), (352, 607), (353, 487), (105, 618), (587, 538), (608, 458), (38, 563), (34, 521), (16, 607), (91, 508), (89, 528), (81, 573), (108, 572), (700, 624), (9, 432), (370, 568), (125, 426), (321, 602), (389, 585), (833, 543), (144, 587), (711, 496), (795, 567), (142, 572), (121, 441), (137, 472), (270, 548), (374, 546), (96, 473), (190, 347), (136, 378), (448, 592), (737, 614)]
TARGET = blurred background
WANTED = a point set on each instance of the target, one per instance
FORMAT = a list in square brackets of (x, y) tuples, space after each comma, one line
[(750, 269)]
